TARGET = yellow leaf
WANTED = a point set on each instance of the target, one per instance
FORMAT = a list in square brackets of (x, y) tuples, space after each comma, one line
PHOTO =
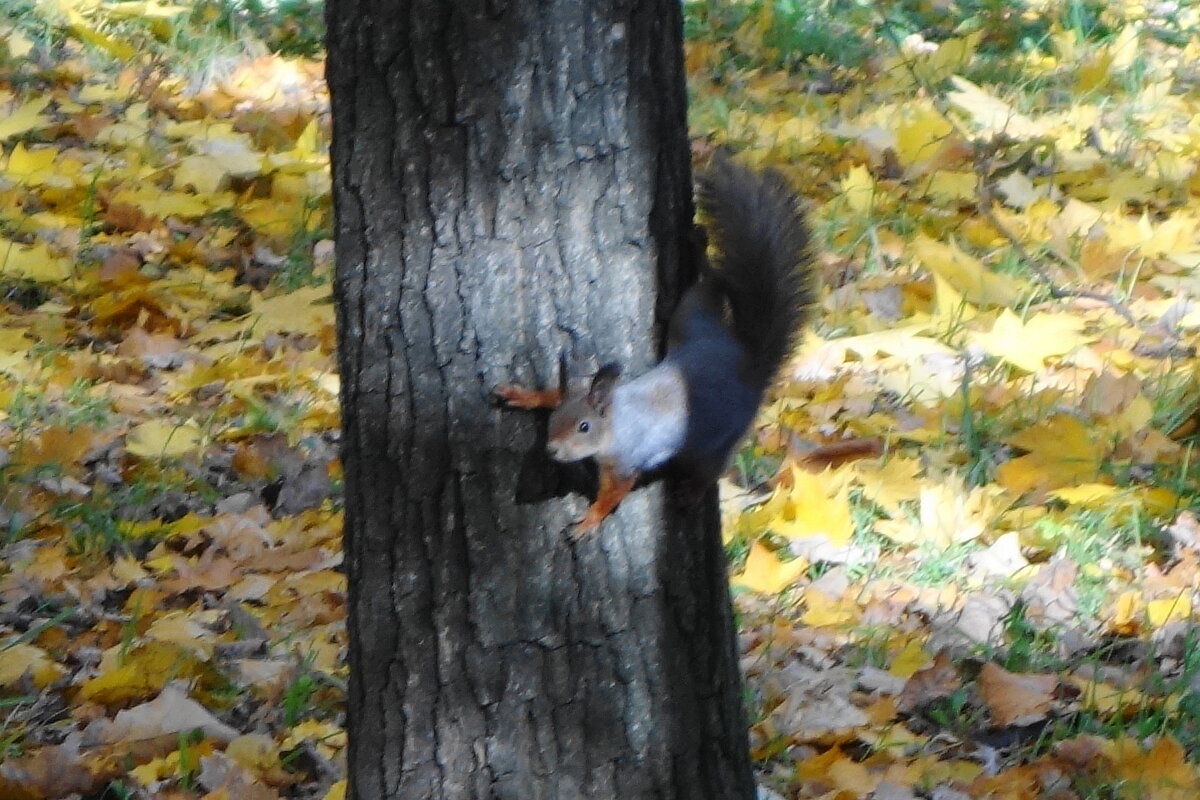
[(156, 769), (891, 484), (909, 660), (16, 659), (278, 216), (821, 610), (162, 203), (1094, 70), (990, 113), (144, 672), (1125, 612), (163, 439), (1077, 217), (946, 186), (1062, 452), (337, 791), (858, 190), (907, 341), (1106, 698), (161, 564), (1159, 500), (1126, 48), (201, 173), (966, 274), (24, 118), (1090, 495), (255, 752), (127, 570), (1019, 191), (307, 143), (328, 737), (852, 778), (33, 262), (23, 163), (817, 507), (948, 514), (920, 133), (950, 57), (180, 628), (302, 311), (766, 574), (951, 308), (1160, 612), (1161, 773)]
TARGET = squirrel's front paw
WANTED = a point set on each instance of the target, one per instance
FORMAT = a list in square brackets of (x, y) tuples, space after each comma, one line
[(512, 395), (519, 397)]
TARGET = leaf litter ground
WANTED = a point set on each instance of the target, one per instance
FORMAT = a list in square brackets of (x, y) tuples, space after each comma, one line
[(965, 564)]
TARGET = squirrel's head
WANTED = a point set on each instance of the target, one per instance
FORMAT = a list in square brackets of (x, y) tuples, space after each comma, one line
[(581, 426)]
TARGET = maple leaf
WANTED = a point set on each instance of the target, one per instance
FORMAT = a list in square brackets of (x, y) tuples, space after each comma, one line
[(765, 573), (1028, 344), (1061, 450), (966, 274)]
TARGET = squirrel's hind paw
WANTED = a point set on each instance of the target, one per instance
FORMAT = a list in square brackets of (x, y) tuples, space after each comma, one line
[(586, 526)]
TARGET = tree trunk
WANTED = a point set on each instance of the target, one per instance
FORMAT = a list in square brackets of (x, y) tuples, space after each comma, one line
[(511, 179)]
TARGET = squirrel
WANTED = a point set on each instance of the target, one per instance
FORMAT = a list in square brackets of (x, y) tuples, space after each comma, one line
[(693, 407)]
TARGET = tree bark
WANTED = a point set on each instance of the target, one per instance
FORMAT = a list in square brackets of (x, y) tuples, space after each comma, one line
[(511, 179)]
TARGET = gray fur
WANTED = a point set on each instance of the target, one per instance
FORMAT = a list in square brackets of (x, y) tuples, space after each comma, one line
[(648, 426)]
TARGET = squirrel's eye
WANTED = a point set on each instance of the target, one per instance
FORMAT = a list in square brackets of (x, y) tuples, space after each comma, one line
[(584, 426)]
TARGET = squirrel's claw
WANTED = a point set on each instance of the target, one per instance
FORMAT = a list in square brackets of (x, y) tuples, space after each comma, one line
[(586, 526), (613, 489)]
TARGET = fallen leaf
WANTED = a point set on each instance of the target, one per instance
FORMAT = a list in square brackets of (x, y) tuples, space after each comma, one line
[(171, 712), (766, 574), (158, 439), (939, 679), (1016, 699)]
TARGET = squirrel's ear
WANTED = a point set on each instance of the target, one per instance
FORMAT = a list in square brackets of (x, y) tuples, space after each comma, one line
[(602, 387)]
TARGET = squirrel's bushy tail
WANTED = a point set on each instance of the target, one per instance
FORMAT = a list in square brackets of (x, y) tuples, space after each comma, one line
[(764, 265)]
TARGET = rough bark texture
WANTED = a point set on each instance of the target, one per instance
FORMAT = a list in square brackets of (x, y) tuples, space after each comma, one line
[(511, 178)]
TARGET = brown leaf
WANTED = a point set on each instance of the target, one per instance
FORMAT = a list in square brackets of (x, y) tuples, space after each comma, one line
[(61, 446), (126, 217), (1050, 596), (47, 772), (224, 777), (158, 350), (121, 268), (939, 679), (1082, 752), (1016, 699), (835, 454)]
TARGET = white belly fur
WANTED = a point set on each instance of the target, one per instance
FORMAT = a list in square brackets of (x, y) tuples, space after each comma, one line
[(649, 417)]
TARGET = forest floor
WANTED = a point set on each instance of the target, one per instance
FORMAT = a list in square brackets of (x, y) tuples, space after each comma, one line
[(963, 555)]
